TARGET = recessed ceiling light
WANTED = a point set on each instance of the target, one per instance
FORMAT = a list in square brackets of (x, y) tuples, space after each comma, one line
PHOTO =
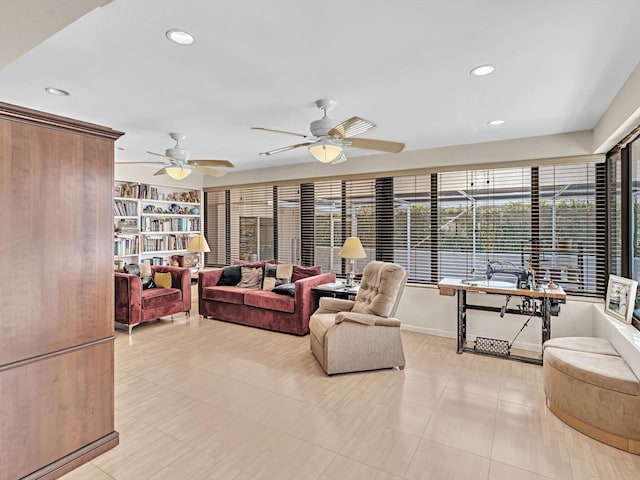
[(493, 123), (57, 91), (180, 37), (482, 70)]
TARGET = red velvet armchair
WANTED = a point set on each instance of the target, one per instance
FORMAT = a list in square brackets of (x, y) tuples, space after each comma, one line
[(134, 306)]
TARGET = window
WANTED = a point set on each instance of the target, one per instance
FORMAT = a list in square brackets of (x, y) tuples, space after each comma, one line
[(483, 216), (412, 225), (251, 221), (635, 214), (436, 225), (572, 236), (215, 228), (328, 222), (288, 224)]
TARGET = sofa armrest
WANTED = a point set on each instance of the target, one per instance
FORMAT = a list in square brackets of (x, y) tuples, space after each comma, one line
[(305, 300), (128, 298), (180, 279), (210, 278), (207, 278), (331, 305), (367, 319)]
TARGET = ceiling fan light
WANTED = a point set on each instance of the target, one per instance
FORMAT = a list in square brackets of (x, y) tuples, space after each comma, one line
[(178, 173), (325, 153)]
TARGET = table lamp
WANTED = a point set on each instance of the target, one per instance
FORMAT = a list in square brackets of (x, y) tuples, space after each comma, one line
[(198, 245), (351, 250)]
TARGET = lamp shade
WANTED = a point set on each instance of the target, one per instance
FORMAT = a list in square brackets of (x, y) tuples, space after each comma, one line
[(352, 248), (325, 153), (178, 173), (198, 245)]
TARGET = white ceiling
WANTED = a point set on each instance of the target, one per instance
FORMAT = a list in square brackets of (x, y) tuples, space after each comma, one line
[(402, 64)]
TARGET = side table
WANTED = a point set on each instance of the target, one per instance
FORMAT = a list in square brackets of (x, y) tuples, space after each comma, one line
[(329, 290)]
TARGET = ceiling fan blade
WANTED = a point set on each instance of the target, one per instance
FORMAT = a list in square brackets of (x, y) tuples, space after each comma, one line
[(284, 149), (211, 163), (162, 171), (370, 144), (279, 131), (212, 172), (349, 128), (161, 155), (339, 159), (139, 163)]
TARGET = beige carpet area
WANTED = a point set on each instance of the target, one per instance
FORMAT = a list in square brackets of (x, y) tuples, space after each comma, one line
[(202, 399)]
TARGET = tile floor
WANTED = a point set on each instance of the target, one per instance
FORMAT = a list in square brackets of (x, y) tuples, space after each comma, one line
[(202, 399)]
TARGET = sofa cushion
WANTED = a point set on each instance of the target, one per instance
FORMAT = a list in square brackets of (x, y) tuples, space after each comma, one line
[(300, 272), (162, 280), (275, 275), (145, 269), (131, 269), (583, 344), (606, 371), (157, 297), (269, 300), (251, 277), (225, 294), (231, 276), (285, 289), (147, 282)]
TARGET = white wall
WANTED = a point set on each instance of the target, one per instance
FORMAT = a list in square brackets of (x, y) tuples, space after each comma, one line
[(624, 338), (544, 147), (422, 309), (621, 116)]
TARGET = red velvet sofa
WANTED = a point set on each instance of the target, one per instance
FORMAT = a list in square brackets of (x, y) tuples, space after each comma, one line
[(259, 308), (134, 306)]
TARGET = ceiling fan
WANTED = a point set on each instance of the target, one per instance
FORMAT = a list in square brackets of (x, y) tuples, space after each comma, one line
[(177, 164), (327, 139)]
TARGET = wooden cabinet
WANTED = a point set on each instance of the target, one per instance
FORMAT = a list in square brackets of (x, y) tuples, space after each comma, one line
[(56, 313)]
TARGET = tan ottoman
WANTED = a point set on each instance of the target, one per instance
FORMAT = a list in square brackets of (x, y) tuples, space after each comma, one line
[(591, 388)]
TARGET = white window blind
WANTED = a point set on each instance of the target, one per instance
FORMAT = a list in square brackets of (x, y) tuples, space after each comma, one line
[(436, 225), (571, 239), (328, 225), (215, 227), (251, 222), (289, 240), (483, 215), (412, 225)]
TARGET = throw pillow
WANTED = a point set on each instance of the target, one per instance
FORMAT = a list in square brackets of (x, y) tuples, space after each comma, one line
[(132, 269), (147, 282), (285, 289), (145, 269), (300, 272), (162, 280), (275, 275), (231, 276), (251, 277)]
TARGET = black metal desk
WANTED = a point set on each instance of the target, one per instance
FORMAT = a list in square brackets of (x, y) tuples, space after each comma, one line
[(549, 305)]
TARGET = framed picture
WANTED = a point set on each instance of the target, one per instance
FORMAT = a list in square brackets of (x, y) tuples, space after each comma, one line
[(621, 297)]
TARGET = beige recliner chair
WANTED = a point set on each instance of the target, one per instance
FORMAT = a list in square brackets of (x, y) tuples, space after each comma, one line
[(361, 334)]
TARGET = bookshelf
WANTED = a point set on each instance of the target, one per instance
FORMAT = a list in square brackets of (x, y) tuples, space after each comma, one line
[(154, 223)]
